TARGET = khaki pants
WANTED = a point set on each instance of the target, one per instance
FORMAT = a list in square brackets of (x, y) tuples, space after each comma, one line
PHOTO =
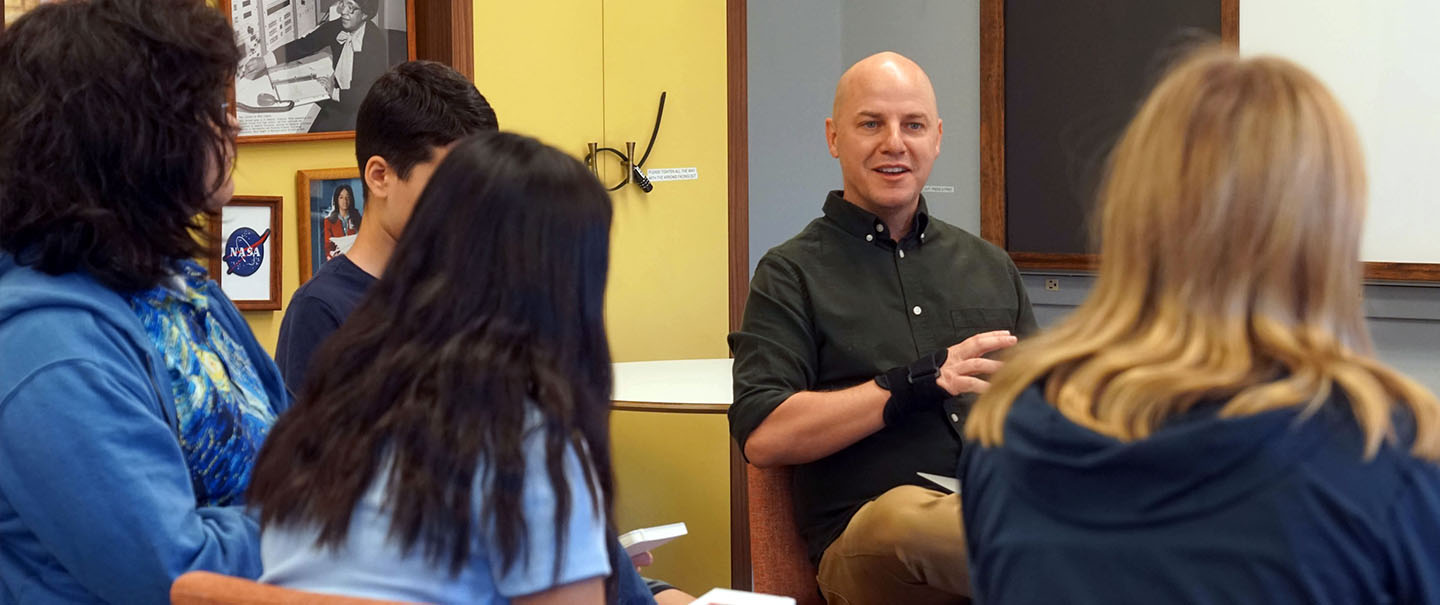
[(907, 546)]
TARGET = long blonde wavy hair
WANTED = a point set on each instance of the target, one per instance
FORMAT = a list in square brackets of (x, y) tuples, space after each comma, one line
[(1230, 224)]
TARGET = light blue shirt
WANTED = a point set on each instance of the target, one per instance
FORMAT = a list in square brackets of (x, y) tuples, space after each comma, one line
[(371, 565)]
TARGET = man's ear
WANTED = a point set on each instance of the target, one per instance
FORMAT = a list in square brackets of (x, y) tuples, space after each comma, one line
[(830, 134), (378, 176)]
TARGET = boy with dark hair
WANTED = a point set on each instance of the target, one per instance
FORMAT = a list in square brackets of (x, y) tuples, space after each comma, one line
[(408, 122), (406, 125)]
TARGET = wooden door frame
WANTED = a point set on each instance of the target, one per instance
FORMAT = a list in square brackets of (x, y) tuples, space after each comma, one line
[(738, 143), (445, 32)]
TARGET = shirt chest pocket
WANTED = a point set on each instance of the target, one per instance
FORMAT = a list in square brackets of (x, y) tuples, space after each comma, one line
[(971, 321)]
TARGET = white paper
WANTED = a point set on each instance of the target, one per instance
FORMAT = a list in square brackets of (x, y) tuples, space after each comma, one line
[(305, 81), (725, 596), (343, 243), (950, 484), (649, 538)]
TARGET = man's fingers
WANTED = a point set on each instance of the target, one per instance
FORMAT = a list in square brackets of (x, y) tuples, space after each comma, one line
[(971, 384), (979, 365), (984, 343)]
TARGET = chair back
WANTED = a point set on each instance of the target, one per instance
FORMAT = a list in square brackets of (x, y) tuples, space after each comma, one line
[(206, 588), (778, 559)]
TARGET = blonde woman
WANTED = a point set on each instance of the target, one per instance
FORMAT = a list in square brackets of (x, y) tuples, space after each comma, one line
[(1209, 427)]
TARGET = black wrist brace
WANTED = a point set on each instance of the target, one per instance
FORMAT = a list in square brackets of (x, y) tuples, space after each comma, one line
[(913, 387)]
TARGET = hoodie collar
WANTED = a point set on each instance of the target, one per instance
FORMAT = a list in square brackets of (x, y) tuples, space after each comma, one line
[(1196, 463)]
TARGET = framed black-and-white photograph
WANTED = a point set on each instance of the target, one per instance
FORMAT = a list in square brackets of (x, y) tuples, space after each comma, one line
[(306, 64), (332, 206), (247, 265), (12, 9)]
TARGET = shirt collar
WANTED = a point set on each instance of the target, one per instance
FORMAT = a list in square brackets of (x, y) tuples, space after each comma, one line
[(356, 39), (860, 222)]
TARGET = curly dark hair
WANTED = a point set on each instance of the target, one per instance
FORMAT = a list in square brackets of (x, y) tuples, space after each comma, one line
[(479, 322), (114, 128)]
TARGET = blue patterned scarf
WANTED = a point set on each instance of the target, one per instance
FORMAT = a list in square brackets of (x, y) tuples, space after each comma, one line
[(223, 409)]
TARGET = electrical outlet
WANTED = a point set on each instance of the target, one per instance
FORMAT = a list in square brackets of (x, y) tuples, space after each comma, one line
[(1052, 285)]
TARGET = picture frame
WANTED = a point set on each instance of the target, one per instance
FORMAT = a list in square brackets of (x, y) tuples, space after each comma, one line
[(287, 88), (248, 260), (10, 10), (326, 229)]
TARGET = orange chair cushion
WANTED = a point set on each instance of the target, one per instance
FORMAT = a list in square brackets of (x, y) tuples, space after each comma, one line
[(778, 559), (205, 588)]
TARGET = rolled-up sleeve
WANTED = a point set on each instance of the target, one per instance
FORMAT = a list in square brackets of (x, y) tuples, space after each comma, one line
[(775, 347)]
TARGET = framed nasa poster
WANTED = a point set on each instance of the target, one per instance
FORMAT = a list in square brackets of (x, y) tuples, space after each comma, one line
[(332, 206), (306, 64), (247, 265)]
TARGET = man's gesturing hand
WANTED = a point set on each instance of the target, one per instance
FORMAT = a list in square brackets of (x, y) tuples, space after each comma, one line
[(965, 361)]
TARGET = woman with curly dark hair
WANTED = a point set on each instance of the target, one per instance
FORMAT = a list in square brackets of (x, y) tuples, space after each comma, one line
[(451, 443), (133, 397)]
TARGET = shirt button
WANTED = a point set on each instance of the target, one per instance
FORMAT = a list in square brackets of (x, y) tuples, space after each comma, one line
[(869, 238), (902, 254), (954, 418), (916, 310), (879, 227)]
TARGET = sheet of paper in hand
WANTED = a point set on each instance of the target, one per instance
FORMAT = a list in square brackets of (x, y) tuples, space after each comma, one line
[(950, 484), (649, 538), (307, 80), (725, 596)]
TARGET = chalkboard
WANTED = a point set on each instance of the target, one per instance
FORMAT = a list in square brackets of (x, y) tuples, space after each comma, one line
[(1059, 81)]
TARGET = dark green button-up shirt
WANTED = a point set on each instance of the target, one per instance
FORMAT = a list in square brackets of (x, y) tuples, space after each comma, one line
[(841, 303)]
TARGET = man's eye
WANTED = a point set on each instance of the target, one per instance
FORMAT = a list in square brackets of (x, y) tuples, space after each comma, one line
[(870, 124)]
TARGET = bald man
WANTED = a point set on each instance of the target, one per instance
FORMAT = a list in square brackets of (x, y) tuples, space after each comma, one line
[(863, 337)]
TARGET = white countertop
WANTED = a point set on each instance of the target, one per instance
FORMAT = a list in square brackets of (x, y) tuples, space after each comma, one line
[(705, 381)]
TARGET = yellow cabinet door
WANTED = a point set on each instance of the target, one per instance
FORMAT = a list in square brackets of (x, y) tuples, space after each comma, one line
[(668, 295), (540, 66)]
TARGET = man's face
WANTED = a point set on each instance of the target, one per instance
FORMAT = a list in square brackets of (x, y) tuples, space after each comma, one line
[(886, 134), (405, 192), (350, 15)]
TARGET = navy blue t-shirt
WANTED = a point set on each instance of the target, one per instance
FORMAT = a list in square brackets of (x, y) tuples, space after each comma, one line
[(1268, 508), (315, 312)]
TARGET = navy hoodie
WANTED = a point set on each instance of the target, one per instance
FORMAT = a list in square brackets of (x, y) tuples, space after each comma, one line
[(1270, 508)]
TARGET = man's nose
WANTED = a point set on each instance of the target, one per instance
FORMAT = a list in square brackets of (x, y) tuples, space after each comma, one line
[(892, 142)]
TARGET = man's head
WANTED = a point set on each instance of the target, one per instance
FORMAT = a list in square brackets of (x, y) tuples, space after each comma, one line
[(406, 125), (354, 13), (885, 130)]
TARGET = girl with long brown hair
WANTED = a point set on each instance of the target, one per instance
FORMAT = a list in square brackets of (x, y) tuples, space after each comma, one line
[(451, 441)]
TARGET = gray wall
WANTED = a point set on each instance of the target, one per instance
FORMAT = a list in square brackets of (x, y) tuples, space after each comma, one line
[(798, 48), (1404, 319), (794, 58)]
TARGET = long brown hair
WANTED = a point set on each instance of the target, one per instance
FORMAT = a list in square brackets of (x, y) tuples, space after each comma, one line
[(1230, 236), (490, 310)]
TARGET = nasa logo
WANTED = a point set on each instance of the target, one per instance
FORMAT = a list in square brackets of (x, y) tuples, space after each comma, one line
[(244, 251)]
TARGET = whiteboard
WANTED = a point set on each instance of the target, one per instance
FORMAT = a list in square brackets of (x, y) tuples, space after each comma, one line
[(1380, 59)]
